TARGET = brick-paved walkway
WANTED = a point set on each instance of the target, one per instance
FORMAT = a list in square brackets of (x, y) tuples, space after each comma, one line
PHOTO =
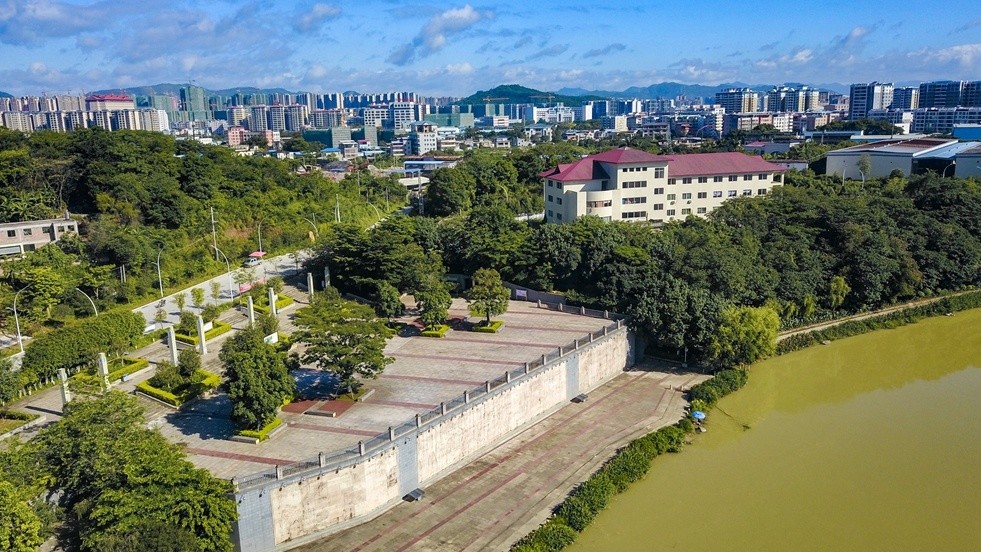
[(495, 500)]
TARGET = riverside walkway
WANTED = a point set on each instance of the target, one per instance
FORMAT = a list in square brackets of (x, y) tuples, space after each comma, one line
[(491, 502)]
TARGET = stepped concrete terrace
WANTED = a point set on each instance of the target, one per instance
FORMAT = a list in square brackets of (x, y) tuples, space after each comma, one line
[(426, 372)]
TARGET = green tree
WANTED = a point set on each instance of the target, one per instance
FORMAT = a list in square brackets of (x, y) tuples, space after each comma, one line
[(20, 526), (388, 300), (745, 335), (197, 297), (449, 191), (215, 291), (181, 300), (343, 337), (9, 382), (837, 291), (258, 382), (488, 296), (865, 166)]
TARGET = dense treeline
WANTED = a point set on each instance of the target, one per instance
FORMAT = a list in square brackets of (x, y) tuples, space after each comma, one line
[(144, 194), (810, 250)]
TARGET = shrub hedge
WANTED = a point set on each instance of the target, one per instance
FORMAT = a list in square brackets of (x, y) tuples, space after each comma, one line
[(281, 302), (206, 381), (724, 382), (438, 331), (493, 327), (261, 434), (217, 329), (965, 301)]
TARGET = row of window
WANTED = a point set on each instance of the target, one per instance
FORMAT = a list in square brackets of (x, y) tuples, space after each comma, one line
[(45, 230), (658, 171), (634, 184), (657, 207), (634, 200), (557, 184), (558, 216), (731, 178), (556, 200), (596, 204)]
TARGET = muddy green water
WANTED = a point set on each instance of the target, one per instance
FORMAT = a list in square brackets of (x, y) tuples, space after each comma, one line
[(870, 443)]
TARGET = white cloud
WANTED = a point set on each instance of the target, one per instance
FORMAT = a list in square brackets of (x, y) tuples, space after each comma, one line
[(434, 34), (459, 68), (316, 16)]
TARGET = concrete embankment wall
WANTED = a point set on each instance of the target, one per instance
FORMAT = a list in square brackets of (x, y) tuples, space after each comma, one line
[(349, 487)]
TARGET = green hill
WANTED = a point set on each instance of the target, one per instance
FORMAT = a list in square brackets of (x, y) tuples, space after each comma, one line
[(515, 93)]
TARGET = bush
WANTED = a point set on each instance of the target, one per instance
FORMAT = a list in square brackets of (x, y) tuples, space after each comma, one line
[(185, 390), (493, 327), (218, 329), (128, 366), (168, 377), (263, 433), (552, 536), (210, 312), (281, 302), (158, 394), (577, 513), (724, 382), (438, 331)]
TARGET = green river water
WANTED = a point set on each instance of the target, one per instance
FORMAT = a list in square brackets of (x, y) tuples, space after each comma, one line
[(869, 443)]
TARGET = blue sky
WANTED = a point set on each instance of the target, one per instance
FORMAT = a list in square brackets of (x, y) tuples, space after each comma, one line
[(56, 46)]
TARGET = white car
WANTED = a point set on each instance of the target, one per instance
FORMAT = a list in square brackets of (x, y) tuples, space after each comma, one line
[(251, 261)]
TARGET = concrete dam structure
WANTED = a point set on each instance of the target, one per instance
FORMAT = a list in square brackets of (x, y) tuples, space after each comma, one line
[(347, 487)]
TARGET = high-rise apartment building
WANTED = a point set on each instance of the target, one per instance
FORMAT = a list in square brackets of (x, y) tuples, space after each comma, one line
[(738, 100), (865, 97), (941, 94)]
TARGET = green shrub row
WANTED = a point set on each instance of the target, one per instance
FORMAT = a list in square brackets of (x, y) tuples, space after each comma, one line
[(438, 331), (966, 301), (263, 433), (146, 339), (723, 383), (493, 327), (591, 497), (208, 381), (130, 366), (281, 302), (217, 329), (14, 415), (629, 464)]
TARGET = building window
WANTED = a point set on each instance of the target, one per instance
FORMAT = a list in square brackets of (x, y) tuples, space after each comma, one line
[(61, 229), (623, 169), (672, 181), (747, 192), (716, 179), (28, 231), (701, 210), (717, 193), (733, 178), (702, 179), (550, 213), (761, 191), (659, 172), (732, 193), (11, 233), (558, 200), (559, 216), (686, 196), (633, 214), (762, 176), (776, 178), (633, 200), (686, 180), (634, 184), (658, 206), (747, 177), (550, 199), (702, 195), (549, 183), (596, 204), (670, 212), (71, 227), (658, 191), (686, 211), (558, 185), (671, 197)]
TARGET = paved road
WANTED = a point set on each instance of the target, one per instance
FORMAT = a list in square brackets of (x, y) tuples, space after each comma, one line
[(497, 499)]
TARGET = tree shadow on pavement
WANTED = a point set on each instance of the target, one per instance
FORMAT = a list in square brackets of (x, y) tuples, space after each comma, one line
[(205, 418)]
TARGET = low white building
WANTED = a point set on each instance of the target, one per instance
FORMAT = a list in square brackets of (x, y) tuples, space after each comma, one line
[(885, 156), (633, 185)]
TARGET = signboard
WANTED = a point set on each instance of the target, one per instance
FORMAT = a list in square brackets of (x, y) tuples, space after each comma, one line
[(271, 338), (521, 294)]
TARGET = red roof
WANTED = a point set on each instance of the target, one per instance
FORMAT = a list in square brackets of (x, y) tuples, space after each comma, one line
[(707, 164), (692, 164)]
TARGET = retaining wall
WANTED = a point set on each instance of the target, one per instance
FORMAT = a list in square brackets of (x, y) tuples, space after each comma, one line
[(344, 488)]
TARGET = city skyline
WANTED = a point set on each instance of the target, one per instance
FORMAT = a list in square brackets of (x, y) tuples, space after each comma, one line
[(454, 49)]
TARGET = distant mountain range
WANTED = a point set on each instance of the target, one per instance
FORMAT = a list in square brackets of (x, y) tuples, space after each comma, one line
[(174, 89), (5, 95), (517, 94), (675, 89)]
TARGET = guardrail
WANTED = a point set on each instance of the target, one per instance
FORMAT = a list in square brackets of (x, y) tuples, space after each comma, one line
[(364, 450)]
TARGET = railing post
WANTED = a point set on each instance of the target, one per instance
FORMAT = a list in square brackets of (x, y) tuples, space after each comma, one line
[(361, 448), (391, 433), (619, 323), (507, 377), (604, 330), (279, 471), (590, 337), (561, 307), (487, 386), (418, 420), (544, 357), (606, 314), (539, 303), (442, 408), (582, 310), (322, 459), (527, 367), (577, 343), (466, 397)]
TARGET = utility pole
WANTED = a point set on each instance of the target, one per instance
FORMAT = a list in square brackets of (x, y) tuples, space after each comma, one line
[(337, 208), (214, 233)]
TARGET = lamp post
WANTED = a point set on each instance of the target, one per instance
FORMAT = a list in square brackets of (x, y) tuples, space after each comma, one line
[(228, 272), (260, 236), (20, 338), (316, 230), (159, 277), (944, 174), (90, 301)]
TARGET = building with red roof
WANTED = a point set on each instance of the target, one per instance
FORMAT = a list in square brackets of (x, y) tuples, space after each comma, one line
[(633, 185)]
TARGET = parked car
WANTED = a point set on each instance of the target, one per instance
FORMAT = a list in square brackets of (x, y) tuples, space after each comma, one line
[(251, 261)]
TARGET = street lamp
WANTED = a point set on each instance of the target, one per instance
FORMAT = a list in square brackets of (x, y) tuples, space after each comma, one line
[(228, 272), (159, 277), (944, 174), (90, 301), (20, 338), (260, 236), (316, 230)]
